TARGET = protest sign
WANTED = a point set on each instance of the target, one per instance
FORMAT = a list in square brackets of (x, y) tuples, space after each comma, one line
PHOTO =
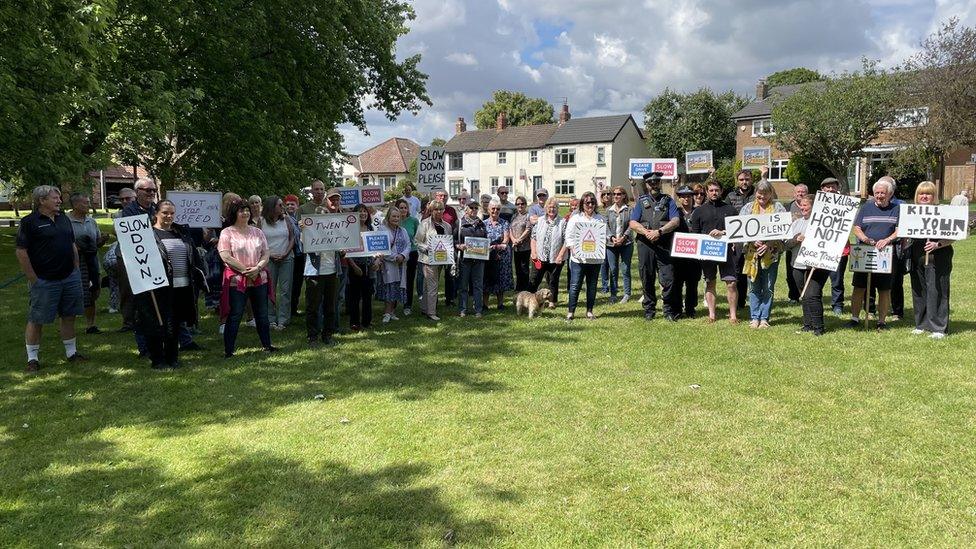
[(865, 258), (440, 249), (476, 247), (698, 162), (369, 195), (754, 158), (667, 166), (196, 210), (699, 246), (829, 229), (348, 197), (371, 243), (751, 228), (143, 264), (590, 240), (430, 169), (932, 221), (330, 232)]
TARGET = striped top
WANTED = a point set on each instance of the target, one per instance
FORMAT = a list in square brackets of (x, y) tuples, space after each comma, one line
[(178, 257)]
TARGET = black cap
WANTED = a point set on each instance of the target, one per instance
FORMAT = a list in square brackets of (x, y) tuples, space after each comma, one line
[(685, 189), (653, 176), (830, 181)]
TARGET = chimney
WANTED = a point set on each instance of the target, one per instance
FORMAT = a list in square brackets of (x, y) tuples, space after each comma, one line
[(564, 115), (761, 90), (501, 122), (460, 126)]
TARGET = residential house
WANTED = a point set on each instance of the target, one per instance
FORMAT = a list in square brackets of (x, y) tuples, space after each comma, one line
[(386, 164)]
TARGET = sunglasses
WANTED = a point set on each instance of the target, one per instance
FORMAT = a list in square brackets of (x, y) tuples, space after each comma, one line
[(699, 194), (149, 191), (589, 202), (618, 194)]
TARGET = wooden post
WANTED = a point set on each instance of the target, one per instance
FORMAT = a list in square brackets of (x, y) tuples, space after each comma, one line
[(867, 302), (159, 317), (807, 283)]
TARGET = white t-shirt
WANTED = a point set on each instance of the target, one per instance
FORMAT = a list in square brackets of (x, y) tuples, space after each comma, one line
[(414, 203)]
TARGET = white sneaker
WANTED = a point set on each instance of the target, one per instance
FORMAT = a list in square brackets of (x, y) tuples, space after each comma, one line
[(394, 317), (937, 335), (435, 318), (221, 329), (273, 325), (251, 323), (407, 311), (916, 332), (625, 298), (386, 318)]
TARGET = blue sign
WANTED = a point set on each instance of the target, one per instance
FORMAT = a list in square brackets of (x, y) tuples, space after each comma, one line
[(349, 196), (713, 248), (638, 169), (377, 243)]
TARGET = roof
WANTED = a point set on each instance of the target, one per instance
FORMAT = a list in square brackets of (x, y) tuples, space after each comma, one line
[(475, 140), (116, 172), (763, 108), (391, 156), (521, 137), (596, 129)]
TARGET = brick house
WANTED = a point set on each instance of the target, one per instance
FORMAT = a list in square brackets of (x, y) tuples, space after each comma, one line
[(386, 164)]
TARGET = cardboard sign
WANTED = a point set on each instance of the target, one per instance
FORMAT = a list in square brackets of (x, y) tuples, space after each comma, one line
[(196, 210), (371, 243), (667, 166), (476, 247), (590, 241), (931, 221), (330, 232), (754, 158), (752, 228), (829, 229), (369, 195), (440, 249), (699, 246), (868, 259), (143, 264), (698, 162), (430, 169)]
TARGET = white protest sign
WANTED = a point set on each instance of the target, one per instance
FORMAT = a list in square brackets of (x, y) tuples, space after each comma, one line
[(751, 228), (143, 264), (868, 259), (440, 249), (430, 169), (932, 221), (699, 246), (329, 232), (698, 162), (590, 241), (196, 210), (754, 158), (371, 243), (829, 229), (640, 166)]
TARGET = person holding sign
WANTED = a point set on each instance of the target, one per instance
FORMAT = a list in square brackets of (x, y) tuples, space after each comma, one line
[(471, 272), (811, 298), (876, 224), (498, 271), (391, 283), (687, 271), (547, 242), (931, 262), (582, 267), (361, 272), (709, 219), (432, 225), (761, 258), (654, 219), (410, 223)]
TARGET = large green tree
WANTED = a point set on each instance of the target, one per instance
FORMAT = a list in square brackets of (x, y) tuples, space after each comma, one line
[(798, 75), (675, 123), (519, 109)]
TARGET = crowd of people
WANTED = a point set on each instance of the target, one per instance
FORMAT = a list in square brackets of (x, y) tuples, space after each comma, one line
[(253, 269)]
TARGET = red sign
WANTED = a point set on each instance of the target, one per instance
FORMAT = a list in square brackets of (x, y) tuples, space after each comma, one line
[(371, 195), (668, 168), (686, 245)]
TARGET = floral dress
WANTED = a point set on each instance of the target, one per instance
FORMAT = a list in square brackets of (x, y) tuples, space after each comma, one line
[(498, 271)]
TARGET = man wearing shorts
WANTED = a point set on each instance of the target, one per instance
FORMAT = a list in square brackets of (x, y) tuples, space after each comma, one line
[(709, 218), (876, 224), (47, 254)]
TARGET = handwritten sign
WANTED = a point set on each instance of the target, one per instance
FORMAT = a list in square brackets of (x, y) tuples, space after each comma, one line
[(868, 259), (829, 229), (440, 249), (196, 210), (476, 247), (143, 264), (430, 169), (698, 162), (754, 158), (589, 241), (641, 166), (932, 221), (371, 243), (752, 228), (329, 232), (699, 246)]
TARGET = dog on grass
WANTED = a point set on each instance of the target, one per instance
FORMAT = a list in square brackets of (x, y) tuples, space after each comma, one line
[(531, 302)]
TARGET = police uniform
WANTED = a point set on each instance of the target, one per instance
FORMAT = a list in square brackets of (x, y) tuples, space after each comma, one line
[(654, 258)]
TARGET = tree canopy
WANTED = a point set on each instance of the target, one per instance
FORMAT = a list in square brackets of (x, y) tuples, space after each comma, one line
[(798, 75), (676, 123), (519, 109)]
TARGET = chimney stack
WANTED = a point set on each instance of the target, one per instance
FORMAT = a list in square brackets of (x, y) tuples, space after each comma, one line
[(564, 115), (501, 122), (761, 90), (460, 126)]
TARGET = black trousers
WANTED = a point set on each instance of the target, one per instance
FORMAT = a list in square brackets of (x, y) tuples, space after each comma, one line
[(794, 291), (321, 293), (812, 301), (411, 279), (298, 276), (930, 290), (175, 308), (655, 265), (359, 299), (741, 280), (687, 274), (553, 270), (522, 260)]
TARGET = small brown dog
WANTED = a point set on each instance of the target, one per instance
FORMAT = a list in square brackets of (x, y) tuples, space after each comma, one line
[(531, 302)]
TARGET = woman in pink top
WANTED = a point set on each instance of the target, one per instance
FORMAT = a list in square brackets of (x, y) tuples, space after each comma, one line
[(245, 253)]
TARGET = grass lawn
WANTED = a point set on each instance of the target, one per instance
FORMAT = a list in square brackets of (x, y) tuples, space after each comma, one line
[(499, 432)]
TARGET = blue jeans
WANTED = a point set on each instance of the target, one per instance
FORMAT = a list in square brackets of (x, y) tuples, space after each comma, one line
[(577, 272), (471, 275), (605, 274), (258, 296), (837, 285), (618, 257), (761, 292), (281, 276)]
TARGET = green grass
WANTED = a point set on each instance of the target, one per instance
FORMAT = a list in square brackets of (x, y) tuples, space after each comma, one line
[(499, 432)]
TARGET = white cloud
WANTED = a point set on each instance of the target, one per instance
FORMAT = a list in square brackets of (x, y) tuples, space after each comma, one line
[(459, 58)]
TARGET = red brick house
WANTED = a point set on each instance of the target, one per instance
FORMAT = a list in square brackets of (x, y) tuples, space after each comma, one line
[(386, 164)]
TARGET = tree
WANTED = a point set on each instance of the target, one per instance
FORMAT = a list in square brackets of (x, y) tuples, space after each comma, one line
[(800, 171), (437, 142), (829, 122), (799, 75), (675, 123), (519, 109)]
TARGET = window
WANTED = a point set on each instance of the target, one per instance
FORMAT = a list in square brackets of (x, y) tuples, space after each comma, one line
[(364, 180), (387, 182), (456, 161), (601, 156), (502, 158), (533, 156), (536, 183), (565, 157), (565, 186), (879, 162), (777, 172), (910, 118), (493, 185), (475, 189), (508, 183), (454, 186), (762, 127)]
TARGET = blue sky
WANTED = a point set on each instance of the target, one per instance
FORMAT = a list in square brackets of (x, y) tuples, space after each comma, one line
[(612, 56)]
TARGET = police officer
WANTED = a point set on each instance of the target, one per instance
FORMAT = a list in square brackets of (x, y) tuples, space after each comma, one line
[(654, 219)]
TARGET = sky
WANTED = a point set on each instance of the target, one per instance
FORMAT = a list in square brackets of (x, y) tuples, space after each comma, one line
[(613, 56)]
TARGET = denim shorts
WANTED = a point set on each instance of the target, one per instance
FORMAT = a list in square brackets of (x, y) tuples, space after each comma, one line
[(50, 299)]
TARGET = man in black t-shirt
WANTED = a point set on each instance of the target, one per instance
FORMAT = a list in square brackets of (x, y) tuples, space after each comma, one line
[(709, 218)]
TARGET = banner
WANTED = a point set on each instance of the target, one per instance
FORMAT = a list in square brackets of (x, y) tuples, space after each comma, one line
[(440, 249), (590, 241), (754, 158), (476, 248), (829, 229), (667, 166), (329, 232), (698, 162), (196, 210), (933, 221), (371, 243), (868, 259), (751, 228), (430, 169), (369, 195), (143, 264), (699, 246)]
